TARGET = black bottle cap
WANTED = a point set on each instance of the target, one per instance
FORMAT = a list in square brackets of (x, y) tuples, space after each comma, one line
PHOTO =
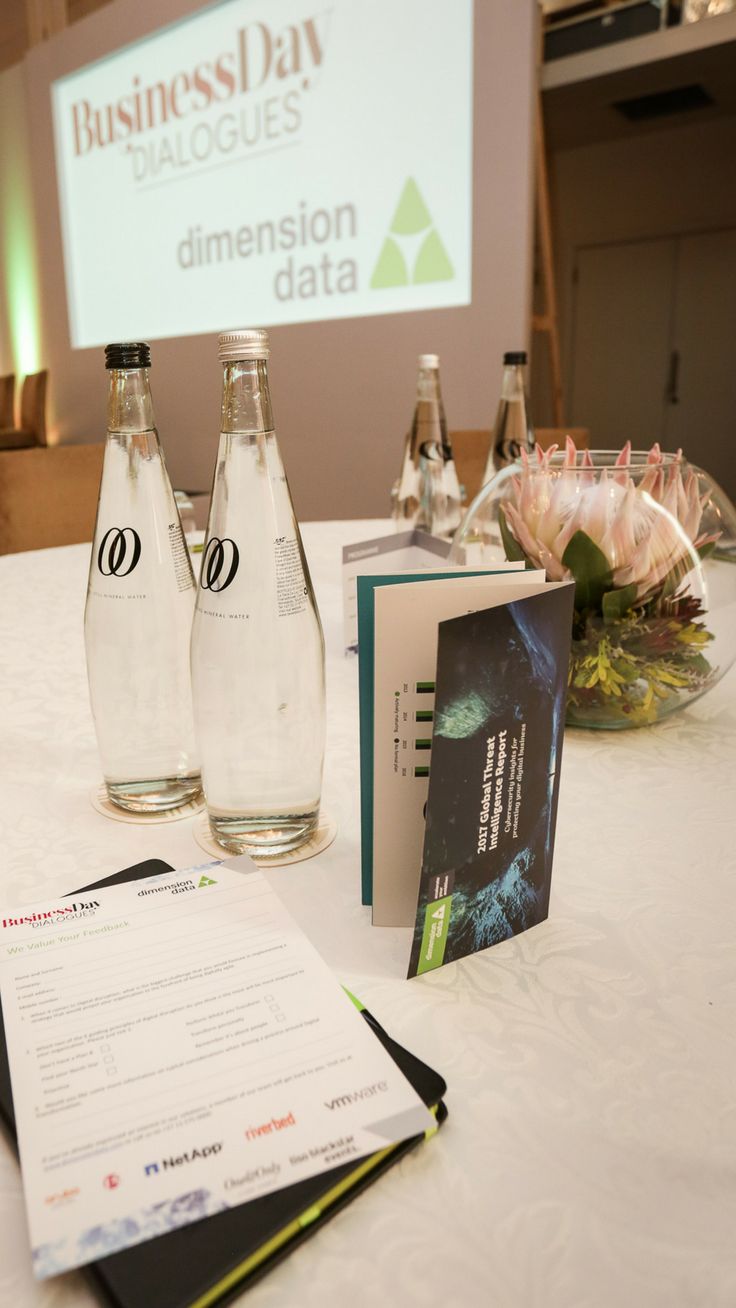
[(131, 354), (514, 356)]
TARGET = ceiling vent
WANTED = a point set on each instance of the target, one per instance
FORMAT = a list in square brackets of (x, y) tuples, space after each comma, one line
[(681, 100)]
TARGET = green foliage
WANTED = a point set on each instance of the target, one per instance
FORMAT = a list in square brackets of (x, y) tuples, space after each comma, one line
[(616, 603), (628, 672), (634, 651), (589, 566)]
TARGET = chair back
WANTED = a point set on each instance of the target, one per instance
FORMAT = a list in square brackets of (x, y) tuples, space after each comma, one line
[(33, 405), (48, 496), (7, 400), (470, 452)]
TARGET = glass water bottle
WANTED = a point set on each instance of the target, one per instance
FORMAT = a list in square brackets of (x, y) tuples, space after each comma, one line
[(513, 431), (428, 494), (140, 600), (258, 674)]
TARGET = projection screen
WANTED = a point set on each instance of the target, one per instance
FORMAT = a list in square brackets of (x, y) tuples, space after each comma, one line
[(269, 162)]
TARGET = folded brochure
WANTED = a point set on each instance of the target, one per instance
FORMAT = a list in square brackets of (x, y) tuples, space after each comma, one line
[(499, 709)]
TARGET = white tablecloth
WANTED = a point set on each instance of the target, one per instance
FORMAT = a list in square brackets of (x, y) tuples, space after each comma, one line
[(589, 1160)]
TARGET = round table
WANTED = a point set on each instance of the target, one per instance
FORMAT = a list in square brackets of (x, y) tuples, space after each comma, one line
[(589, 1159)]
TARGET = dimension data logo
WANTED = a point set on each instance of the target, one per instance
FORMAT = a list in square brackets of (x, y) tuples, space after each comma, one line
[(413, 253)]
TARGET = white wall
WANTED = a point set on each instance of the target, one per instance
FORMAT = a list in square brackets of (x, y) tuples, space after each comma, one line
[(661, 183), (343, 391)]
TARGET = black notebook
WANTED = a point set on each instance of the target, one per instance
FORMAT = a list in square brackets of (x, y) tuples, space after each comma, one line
[(212, 1261)]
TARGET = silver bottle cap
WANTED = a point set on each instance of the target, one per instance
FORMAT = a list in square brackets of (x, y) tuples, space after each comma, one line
[(248, 343), (429, 360)]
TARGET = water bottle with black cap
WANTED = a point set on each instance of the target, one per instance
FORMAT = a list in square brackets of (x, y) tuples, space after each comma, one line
[(513, 431), (140, 600)]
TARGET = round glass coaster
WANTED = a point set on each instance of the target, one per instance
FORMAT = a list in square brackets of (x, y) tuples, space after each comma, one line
[(103, 805), (321, 839)]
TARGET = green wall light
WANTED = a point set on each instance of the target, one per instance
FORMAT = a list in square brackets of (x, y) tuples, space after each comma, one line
[(17, 228)]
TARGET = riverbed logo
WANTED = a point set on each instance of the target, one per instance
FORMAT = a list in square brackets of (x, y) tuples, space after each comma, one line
[(405, 259)]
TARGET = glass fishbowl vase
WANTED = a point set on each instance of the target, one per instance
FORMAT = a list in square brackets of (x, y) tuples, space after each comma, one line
[(650, 543)]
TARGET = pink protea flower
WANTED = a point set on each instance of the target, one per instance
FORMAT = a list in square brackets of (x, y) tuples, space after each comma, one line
[(644, 527)]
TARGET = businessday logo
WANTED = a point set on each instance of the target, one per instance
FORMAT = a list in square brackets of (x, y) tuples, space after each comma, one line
[(177, 122)]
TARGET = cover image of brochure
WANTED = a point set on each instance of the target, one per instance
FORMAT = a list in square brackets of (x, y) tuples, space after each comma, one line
[(499, 709), (398, 620)]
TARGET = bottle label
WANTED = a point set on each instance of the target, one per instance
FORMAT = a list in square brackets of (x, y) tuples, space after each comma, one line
[(119, 552), (291, 586), (115, 558), (220, 563), (409, 484), (180, 555)]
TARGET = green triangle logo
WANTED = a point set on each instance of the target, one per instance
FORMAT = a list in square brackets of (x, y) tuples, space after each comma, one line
[(431, 264), (412, 214), (206, 881), (391, 269)]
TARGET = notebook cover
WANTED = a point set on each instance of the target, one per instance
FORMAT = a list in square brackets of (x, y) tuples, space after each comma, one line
[(186, 1266)]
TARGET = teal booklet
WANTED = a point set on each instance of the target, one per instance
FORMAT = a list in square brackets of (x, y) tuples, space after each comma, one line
[(496, 746), (364, 644), (398, 623)]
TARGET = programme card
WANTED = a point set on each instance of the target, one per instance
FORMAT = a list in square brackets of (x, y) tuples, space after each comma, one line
[(401, 551)]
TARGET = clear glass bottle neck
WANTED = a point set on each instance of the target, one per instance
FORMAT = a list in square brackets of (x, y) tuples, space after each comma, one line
[(428, 385), (246, 399), (512, 385), (129, 403)]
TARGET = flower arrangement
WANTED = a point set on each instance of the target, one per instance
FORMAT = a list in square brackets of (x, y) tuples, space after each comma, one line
[(629, 534)]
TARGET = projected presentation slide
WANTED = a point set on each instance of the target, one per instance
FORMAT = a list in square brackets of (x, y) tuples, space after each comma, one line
[(269, 163)]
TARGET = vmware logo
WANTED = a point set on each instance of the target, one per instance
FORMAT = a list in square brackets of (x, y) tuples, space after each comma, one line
[(354, 1096)]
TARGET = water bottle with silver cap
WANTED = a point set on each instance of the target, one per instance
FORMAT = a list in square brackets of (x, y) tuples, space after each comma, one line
[(258, 675)]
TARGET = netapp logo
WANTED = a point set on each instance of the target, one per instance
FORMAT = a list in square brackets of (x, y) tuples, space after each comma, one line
[(354, 1096), (196, 1155)]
